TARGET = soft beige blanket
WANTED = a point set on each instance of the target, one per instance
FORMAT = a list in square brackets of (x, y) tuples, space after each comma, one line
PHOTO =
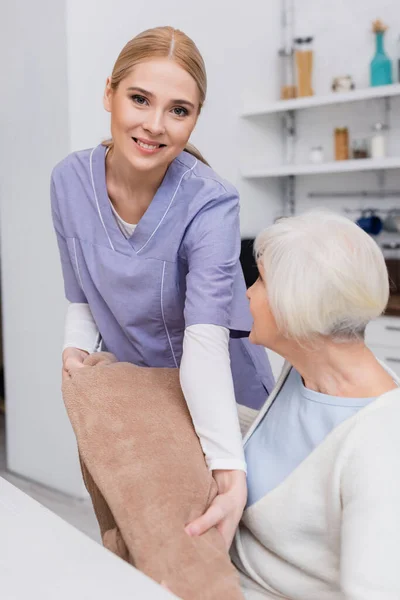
[(145, 471)]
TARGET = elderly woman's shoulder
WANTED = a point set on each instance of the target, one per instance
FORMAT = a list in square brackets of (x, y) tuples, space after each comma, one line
[(376, 427), (369, 457)]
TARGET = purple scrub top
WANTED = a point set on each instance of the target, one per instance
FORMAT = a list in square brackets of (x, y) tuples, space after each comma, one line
[(179, 268)]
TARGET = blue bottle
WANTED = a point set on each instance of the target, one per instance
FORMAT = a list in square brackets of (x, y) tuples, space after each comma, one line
[(381, 65)]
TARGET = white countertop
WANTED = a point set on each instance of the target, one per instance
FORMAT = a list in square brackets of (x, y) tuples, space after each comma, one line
[(44, 558)]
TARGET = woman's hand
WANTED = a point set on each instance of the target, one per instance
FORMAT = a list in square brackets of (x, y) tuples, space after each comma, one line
[(72, 358), (227, 508)]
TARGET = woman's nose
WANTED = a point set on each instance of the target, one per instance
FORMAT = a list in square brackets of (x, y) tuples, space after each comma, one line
[(155, 123)]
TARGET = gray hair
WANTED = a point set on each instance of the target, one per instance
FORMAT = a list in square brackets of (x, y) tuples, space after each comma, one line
[(324, 276)]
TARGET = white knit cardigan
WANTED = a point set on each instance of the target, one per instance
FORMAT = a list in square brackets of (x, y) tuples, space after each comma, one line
[(331, 529)]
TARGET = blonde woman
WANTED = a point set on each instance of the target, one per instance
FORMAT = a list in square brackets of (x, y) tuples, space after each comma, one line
[(322, 518), (149, 242)]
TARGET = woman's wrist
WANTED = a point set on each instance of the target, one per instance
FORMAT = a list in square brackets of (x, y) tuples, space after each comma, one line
[(231, 481), (71, 351)]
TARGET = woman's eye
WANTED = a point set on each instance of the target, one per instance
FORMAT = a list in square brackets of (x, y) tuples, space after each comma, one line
[(141, 100), (179, 111)]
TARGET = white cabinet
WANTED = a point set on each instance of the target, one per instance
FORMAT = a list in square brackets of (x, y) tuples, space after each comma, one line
[(383, 338)]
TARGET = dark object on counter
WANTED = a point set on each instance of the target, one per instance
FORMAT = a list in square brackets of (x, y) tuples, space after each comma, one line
[(370, 222), (392, 221), (393, 267), (391, 246), (393, 306), (248, 262)]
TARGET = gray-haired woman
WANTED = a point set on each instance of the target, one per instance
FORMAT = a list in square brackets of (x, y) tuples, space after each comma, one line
[(323, 513)]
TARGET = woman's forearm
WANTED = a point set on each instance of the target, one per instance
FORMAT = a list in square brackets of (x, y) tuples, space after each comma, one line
[(207, 384)]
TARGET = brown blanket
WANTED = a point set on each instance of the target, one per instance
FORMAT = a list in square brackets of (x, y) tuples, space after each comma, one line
[(145, 471)]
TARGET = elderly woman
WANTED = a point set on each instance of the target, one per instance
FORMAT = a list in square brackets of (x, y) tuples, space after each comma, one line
[(323, 512)]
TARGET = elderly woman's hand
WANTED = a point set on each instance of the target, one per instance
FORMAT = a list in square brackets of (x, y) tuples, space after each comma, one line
[(227, 508)]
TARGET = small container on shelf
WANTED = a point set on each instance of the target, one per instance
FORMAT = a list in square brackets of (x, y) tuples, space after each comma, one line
[(343, 83), (341, 143), (378, 141), (304, 66), (317, 155), (288, 87), (360, 149)]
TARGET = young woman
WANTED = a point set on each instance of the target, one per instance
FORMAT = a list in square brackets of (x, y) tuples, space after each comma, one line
[(149, 241)]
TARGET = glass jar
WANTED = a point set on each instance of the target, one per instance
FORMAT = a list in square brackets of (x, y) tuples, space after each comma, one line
[(288, 87), (341, 143), (360, 149), (304, 66)]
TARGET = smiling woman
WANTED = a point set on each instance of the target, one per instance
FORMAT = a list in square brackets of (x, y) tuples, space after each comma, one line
[(149, 125), (149, 240), (164, 44)]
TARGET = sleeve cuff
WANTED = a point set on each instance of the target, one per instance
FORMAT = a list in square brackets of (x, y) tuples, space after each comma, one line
[(227, 464), (80, 328)]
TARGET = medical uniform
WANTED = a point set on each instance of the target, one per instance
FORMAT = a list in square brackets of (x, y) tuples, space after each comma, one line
[(179, 268)]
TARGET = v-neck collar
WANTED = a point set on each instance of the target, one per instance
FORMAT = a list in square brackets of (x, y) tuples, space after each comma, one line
[(156, 211), (286, 369)]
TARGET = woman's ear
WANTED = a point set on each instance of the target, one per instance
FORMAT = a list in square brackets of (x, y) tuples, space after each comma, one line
[(107, 98)]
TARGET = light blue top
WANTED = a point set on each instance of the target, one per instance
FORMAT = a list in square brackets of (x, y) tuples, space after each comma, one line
[(297, 421)]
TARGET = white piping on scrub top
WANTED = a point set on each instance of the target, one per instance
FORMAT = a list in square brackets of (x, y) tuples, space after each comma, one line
[(169, 205), (77, 265), (163, 318), (95, 197)]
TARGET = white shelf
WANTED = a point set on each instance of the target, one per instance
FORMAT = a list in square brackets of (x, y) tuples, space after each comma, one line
[(384, 91), (342, 166)]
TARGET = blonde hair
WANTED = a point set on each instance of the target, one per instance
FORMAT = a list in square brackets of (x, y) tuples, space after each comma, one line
[(324, 276), (163, 42)]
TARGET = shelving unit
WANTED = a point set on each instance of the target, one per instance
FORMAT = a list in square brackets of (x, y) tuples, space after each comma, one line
[(343, 166), (287, 110), (385, 91)]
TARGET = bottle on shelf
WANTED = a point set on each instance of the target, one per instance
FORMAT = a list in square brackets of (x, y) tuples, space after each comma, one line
[(304, 58), (381, 65), (288, 87), (342, 143), (378, 141)]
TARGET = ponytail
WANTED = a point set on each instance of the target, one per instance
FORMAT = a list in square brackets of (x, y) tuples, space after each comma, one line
[(196, 153)]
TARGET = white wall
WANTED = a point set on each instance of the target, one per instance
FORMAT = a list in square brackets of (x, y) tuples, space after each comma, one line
[(34, 136)]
